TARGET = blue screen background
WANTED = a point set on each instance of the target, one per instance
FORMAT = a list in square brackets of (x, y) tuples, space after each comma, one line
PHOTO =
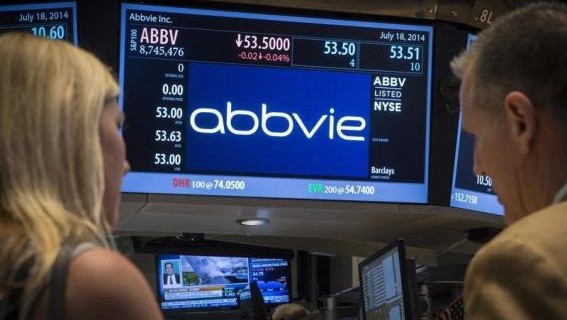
[(309, 93)]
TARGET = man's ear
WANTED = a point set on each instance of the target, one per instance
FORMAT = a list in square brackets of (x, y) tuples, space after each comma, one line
[(520, 115)]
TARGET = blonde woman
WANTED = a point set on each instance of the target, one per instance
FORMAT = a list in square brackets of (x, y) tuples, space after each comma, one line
[(61, 164)]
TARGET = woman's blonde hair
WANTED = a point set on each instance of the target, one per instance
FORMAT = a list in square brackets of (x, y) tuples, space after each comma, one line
[(51, 166)]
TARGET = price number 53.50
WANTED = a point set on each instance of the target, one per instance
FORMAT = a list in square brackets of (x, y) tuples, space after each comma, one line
[(339, 48)]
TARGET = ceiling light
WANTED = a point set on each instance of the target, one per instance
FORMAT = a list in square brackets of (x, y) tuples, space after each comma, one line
[(252, 222)]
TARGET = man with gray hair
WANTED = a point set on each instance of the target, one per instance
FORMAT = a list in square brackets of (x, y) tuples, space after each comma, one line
[(293, 311), (514, 102)]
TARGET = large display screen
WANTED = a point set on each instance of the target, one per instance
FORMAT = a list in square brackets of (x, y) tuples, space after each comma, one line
[(56, 20), (385, 292), (470, 190), (188, 282), (260, 105)]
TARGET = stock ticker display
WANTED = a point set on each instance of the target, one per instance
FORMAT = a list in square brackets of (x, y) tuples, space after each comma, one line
[(260, 105), (470, 190), (55, 20)]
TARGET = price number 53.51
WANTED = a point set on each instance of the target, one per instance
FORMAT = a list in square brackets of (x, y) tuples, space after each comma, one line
[(405, 53)]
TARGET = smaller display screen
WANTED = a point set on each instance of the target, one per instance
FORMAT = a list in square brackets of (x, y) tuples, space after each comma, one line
[(188, 282), (470, 190), (56, 20), (384, 285)]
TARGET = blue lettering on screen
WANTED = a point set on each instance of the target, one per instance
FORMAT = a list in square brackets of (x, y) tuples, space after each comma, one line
[(286, 119)]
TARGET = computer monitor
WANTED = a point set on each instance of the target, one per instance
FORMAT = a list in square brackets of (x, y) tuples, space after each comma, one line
[(256, 102), (52, 20), (252, 304), (195, 282), (470, 190), (385, 286)]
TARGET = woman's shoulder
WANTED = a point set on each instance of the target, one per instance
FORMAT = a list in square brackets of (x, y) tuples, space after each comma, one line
[(100, 261), (103, 284)]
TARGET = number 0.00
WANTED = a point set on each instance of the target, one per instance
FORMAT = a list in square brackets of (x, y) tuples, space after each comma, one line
[(174, 89)]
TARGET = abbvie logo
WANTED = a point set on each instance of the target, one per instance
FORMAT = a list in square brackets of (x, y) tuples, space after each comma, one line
[(346, 127)]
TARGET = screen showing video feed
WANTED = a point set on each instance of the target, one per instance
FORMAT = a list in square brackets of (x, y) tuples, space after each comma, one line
[(57, 20), (251, 104), (471, 191), (187, 282)]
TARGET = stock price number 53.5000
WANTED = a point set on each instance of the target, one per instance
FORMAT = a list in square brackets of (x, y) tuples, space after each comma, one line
[(164, 159)]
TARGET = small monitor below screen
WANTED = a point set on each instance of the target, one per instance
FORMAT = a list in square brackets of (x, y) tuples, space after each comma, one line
[(191, 283), (471, 191), (384, 283), (57, 20)]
